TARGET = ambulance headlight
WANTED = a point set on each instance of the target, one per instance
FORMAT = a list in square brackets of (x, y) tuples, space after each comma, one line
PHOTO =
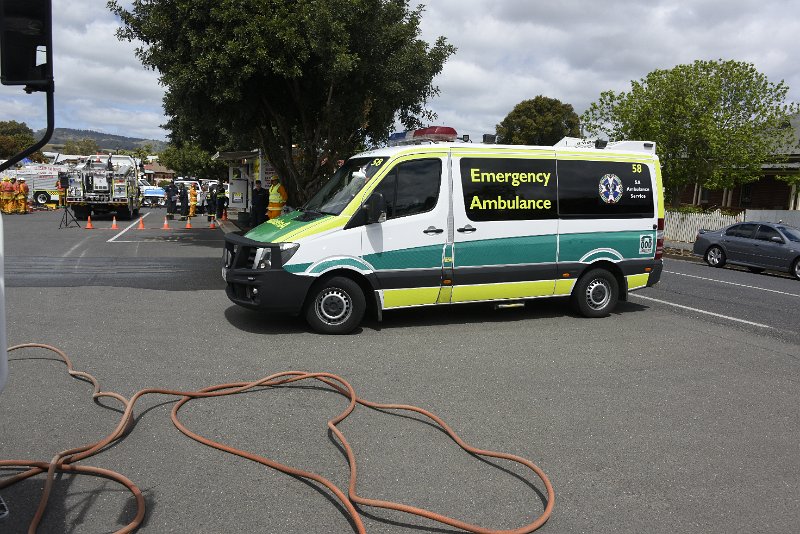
[(263, 258)]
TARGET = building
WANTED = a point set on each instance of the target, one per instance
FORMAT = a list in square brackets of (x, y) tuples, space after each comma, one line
[(767, 193)]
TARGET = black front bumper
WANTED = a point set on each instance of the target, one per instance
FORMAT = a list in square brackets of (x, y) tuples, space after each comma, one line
[(273, 289)]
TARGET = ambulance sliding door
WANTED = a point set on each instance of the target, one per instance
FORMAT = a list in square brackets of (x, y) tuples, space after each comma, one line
[(406, 250), (505, 225)]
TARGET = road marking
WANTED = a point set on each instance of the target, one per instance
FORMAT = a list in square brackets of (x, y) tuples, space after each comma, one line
[(134, 223), (735, 284), (728, 317)]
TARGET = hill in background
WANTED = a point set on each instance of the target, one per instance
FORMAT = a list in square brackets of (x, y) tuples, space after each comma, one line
[(104, 141)]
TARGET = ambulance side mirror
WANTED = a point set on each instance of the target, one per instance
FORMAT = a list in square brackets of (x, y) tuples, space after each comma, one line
[(375, 207)]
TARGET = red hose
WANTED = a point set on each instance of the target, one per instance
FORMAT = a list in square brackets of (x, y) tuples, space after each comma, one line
[(66, 460)]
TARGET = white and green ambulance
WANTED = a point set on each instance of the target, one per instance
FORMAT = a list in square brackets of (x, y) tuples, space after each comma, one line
[(452, 222)]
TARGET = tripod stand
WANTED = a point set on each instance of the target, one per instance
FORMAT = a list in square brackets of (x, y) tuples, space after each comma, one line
[(68, 220)]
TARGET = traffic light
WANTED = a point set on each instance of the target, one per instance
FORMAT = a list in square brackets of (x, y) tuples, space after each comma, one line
[(26, 42)]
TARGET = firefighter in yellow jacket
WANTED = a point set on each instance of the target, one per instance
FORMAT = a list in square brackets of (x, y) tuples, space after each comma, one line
[(6, 195), (192, 200), (277, 198), (22, 197)]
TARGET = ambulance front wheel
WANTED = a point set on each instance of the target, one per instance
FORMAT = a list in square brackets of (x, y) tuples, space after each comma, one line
[(335, 306), (596, 294)]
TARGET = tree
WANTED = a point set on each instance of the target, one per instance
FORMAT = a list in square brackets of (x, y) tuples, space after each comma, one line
[(16, 137), (540, 121), (307, 81), (714, 122), (191, 160), (81, 147)]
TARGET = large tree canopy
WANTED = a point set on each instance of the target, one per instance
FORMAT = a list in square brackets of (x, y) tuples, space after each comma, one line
[(85, 146), (322, 76), (191, 160), (714, 122), (16, 137), (540, 121)]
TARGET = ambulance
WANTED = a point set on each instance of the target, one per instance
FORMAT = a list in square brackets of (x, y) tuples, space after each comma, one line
[(434, 221)]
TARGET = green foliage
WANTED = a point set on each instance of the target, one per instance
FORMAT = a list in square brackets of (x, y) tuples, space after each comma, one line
[(16, 137), (714, 122), (322, 75), (81, 147), (191, 160), (540, 121)]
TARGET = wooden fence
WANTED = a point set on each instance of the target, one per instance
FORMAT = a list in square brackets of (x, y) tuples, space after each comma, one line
[(684, 226)]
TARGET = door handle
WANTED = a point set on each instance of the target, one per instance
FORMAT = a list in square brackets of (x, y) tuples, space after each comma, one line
[(468, 229), (432, 231)]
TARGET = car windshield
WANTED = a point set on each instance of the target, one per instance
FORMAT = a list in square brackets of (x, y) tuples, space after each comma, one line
[(792, 233), (344, 185)]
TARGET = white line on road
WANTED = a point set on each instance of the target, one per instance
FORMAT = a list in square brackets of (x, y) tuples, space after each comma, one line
[(134, 223), (701, 311), (735, 284)]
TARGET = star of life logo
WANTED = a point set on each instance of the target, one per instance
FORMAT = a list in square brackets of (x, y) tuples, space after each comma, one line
[(610, 189)]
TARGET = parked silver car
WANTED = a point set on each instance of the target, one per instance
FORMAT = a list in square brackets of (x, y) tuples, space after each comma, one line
[(755, 245)]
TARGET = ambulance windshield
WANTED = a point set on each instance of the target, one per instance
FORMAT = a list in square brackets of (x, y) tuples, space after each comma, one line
[(344, 185)]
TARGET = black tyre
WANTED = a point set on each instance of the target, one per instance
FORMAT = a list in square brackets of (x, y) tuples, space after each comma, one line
[(335, 306), (796, 269), (41, 197), (715, 256), (124, 214), (596, 294), (757, 270)]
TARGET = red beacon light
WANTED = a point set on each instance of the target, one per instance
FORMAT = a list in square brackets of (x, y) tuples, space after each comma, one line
[(436, 133), (431, 134)]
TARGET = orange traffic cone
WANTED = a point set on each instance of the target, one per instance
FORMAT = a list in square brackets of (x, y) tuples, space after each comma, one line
[(212, 226), (225, 215), (141, 224), (114, 224), (188, 223), (89, 223), (165, 226)]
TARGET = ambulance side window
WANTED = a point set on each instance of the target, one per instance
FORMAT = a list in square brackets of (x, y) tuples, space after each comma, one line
[(411, 187)]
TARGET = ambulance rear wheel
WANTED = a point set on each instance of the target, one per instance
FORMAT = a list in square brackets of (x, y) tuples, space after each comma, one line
[(335, 306), (596, 294)]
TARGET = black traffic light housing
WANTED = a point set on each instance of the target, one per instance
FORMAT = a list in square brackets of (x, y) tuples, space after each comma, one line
[(26, 56), (26, 44)]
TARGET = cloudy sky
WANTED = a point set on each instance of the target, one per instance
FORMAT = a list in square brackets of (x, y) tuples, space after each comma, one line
[(508, 51)]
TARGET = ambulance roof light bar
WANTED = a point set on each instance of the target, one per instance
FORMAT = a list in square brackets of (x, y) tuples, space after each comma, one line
[(431, 134)]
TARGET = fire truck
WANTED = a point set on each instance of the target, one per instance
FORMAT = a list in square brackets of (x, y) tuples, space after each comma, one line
[(104, 184)]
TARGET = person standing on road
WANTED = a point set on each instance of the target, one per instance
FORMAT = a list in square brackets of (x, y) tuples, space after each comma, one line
[(171, 193), (259, 214), (211, 200), (183, 197), (192, 201), (6, 192), (277, 197), (11, 207), (222, 200), (202, 199), (22, 197)]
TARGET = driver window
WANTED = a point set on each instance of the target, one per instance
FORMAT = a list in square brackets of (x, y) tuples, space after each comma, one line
[(411, 187)]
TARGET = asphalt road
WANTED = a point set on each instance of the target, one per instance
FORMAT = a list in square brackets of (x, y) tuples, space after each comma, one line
[(677, 414)]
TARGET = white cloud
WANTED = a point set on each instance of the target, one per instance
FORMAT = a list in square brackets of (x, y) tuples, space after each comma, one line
[(508, 51)]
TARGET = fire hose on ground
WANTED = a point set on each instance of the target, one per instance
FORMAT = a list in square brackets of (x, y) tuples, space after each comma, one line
[(67, 461)]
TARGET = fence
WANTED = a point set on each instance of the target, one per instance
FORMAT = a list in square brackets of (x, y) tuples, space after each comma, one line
[(684, 226), (790, 217)]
